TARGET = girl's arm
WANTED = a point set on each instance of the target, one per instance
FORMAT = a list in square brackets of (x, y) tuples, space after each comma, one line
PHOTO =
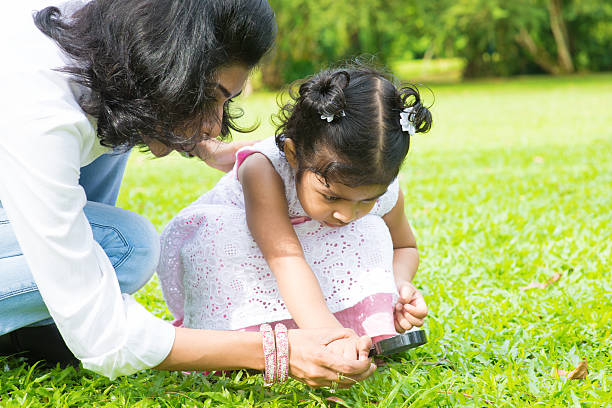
[(269, 223), (411, 308)]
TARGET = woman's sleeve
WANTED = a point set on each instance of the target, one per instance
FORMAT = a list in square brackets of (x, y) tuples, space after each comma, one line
[(44, 137)]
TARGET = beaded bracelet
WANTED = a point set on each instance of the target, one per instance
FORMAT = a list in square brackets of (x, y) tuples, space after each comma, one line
[(269, 350), (282, 352)]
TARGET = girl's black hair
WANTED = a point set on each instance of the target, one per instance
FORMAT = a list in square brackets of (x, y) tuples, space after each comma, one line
[(151, 64), (364, 143)]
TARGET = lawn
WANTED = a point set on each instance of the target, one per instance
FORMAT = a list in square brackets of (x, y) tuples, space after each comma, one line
[(512, 186)]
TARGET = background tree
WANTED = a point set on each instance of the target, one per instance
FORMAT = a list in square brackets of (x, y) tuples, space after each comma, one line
[(494, 37)]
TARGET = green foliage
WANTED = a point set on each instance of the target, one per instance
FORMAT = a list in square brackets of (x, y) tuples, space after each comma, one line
[(315, 34), (494, 37), (511, 186)]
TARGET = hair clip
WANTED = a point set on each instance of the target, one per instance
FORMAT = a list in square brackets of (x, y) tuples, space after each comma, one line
[(406, 123), (330, 117)]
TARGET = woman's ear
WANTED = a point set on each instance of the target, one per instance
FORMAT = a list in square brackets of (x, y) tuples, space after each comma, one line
[(289, 149)]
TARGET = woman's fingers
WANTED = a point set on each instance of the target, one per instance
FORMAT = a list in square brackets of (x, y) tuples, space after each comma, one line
[(363, 347), (346, 381), (330, 335), (316, 364)]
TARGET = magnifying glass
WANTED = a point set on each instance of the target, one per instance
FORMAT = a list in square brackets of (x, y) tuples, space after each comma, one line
[(399, 343)]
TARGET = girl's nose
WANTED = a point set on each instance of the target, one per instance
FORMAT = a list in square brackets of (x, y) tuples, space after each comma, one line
[(346, 214)]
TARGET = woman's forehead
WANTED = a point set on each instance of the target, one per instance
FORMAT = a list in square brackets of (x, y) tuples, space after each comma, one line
[(231, 79)]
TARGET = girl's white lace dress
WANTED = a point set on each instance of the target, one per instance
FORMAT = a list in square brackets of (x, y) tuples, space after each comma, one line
[(213, 275)]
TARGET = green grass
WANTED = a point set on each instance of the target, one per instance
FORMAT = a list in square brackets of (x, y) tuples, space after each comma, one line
[(513, 184), (439, 70)]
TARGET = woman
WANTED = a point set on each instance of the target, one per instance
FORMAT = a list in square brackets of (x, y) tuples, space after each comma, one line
[(157, 74)]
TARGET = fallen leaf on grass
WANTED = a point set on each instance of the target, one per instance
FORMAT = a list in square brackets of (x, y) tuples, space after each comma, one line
[(539, 285), (337, 401), (579, 373)]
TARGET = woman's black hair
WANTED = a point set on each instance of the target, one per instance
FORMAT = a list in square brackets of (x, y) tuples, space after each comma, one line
[(364, 143), (151, 64)]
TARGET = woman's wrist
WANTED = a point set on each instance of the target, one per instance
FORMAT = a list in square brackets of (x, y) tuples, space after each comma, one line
[(204, 350)]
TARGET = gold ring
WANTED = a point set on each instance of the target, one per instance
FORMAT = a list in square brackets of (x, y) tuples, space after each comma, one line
[(333, 387)]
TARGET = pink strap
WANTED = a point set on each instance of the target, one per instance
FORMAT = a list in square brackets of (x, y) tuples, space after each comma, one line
[(282, 352), (269, 350), (299, 220), (241, 156)]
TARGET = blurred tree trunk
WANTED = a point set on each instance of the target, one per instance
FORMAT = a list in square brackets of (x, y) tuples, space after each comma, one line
[(563, 63), (539, 55), (559, 31)]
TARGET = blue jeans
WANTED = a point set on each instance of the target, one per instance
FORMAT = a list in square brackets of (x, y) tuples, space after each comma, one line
[(129, 240)]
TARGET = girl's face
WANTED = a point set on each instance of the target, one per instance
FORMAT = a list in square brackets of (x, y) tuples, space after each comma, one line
[(230, 81), (335, 204)]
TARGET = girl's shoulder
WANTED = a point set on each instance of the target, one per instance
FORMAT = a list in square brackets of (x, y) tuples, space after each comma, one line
[(386, 202), (270, 150)]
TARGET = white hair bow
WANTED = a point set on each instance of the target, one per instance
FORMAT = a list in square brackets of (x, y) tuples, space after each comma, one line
[(407, 124), (330, 117)]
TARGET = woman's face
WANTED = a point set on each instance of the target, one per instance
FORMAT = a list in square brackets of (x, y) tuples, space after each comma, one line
[(230, 81)]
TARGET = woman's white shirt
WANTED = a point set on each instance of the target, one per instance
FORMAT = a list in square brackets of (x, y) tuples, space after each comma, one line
[(45, 138)]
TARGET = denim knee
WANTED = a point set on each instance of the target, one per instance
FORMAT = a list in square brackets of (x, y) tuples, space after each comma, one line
[(130, 242)]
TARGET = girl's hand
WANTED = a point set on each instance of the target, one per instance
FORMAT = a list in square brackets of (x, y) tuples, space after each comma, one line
[(410, 309), (220, 155), (314, 363)]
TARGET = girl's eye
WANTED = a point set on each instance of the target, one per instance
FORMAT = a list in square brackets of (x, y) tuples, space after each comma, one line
[(330, 198)]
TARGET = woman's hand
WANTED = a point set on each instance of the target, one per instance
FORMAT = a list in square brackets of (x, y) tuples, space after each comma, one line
[(410, 309), (220, 155), (314, 362), (346, 347)]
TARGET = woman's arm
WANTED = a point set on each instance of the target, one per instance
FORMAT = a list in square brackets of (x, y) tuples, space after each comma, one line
[(220, 155), (411, 308), (309, 359), (269, 223), (44, 140)]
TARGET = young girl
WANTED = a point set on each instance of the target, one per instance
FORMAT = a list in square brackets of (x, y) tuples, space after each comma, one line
[(308, 228)]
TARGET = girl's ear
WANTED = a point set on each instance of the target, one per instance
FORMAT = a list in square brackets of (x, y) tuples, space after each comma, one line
[(289, 149)]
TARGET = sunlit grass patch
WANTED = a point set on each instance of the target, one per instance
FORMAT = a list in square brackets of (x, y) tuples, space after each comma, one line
[(512, 185)]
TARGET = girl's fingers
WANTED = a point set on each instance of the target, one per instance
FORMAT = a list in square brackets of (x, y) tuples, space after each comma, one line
[(417, 308), (398, 328), (407, 293), (414, 321), (403, 322)]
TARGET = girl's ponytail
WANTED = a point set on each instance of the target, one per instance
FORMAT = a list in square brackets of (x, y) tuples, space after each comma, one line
[(324, 95), (420, 116)]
